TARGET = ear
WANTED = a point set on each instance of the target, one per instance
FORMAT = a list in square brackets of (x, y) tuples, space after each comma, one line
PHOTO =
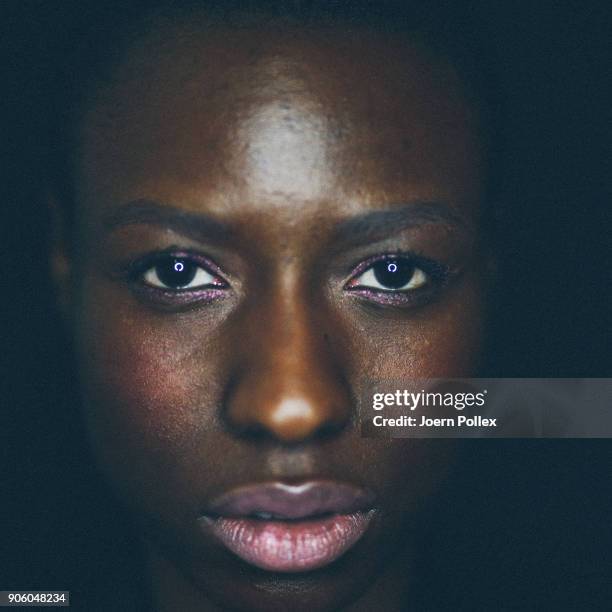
[(60, 256)]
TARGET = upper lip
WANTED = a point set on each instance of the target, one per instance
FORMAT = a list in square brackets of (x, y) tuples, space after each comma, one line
[(291, 501)]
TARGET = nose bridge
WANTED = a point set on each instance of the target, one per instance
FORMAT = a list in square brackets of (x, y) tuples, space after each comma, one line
[(289, 386)]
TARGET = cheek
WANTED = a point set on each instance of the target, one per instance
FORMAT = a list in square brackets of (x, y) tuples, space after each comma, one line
[(440, 340), (137, 384), (149, 394)]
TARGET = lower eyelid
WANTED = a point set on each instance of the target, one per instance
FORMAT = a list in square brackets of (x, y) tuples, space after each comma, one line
[(395, 299), (169, 299)]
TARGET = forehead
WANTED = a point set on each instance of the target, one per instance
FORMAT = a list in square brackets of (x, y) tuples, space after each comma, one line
[(233, 120)]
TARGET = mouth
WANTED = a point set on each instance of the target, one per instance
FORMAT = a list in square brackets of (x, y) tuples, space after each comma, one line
[(290, 528)]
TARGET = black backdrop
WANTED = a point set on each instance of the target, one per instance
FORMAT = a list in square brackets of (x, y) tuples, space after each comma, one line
[(522, 524)]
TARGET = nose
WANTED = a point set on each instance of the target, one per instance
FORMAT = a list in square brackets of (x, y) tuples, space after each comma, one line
[(289, 385)]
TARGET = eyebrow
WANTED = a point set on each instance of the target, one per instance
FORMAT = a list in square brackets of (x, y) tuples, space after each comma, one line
[(358, 229), (197, 225), (382, 223)]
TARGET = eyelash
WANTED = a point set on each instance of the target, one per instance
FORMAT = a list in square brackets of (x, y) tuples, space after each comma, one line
[(136, 271), (436, 275)]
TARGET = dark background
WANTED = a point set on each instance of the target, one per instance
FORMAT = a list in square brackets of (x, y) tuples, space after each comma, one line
[(522, 524)]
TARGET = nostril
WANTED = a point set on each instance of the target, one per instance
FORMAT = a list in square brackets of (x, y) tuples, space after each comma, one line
[(329, 429), (252, 430)]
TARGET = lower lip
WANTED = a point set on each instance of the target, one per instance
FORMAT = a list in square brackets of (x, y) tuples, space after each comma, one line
[(290, 546)]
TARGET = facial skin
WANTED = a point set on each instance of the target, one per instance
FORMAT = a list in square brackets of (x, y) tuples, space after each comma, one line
[(284, 163)]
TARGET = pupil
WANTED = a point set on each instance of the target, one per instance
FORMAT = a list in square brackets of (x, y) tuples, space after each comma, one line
[(176, 272), (393, 273)]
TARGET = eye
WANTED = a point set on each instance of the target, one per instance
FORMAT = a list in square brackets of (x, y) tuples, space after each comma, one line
[(179, 274), (401, 281), (391, 275)]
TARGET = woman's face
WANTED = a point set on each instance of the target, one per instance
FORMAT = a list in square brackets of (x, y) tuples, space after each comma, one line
[(267, 222)]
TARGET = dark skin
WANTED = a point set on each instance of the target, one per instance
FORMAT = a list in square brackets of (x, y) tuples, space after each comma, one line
[(280, 164)]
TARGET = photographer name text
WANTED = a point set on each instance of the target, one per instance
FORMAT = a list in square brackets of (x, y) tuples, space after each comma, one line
[(412, 421)]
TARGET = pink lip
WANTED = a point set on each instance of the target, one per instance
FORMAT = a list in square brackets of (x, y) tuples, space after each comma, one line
[(290, 528)]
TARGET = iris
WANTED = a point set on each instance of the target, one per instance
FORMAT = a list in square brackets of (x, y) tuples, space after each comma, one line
[(393, 273), (176, 272)]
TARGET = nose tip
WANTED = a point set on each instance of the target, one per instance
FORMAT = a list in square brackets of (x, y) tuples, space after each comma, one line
[(290, 402), (293, 420), (293, 417)]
